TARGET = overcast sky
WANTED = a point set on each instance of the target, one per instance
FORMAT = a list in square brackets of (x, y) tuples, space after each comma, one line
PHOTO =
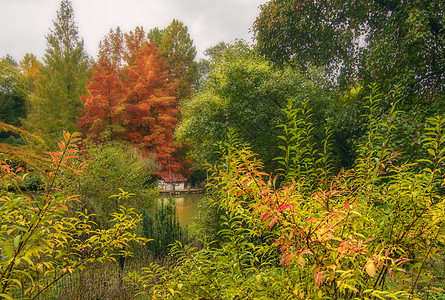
[(24, 24)]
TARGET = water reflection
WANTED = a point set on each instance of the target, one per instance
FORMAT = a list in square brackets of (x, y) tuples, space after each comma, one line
[(186, 206)]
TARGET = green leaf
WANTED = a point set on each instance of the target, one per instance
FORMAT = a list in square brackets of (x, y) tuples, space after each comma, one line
[(17, 241), (9, 251)]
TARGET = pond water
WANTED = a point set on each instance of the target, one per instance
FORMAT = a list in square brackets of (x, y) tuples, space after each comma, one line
[(186, 206)]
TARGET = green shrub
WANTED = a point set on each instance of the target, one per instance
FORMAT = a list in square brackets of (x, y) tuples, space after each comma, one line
[(366, 233), (41, 240), (163, 228), (108, 168)]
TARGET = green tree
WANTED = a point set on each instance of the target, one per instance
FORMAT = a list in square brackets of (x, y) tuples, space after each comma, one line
[(13, 90), (405, 43), (318, 33), (107, 169), (54, 106), (387, 42), (177, 48), (246, 93)]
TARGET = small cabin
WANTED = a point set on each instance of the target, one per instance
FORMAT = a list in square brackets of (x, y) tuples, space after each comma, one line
[(172, 182)]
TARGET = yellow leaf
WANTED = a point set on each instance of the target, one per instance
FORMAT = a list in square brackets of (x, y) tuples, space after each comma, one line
[(9, 251), (6, 296), (301, 261), (370, 268)]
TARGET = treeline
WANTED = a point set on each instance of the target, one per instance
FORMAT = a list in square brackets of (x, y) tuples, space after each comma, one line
[(147, 89), (130, 92)]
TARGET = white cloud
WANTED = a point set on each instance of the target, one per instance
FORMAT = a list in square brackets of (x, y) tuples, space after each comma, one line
[(25, 23)]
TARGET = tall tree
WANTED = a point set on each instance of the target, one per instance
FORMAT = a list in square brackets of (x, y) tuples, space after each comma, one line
[(102, 116), (55, 104), (374, 41), (131, 97), (177, 48), (150, 105), (246, 93), (406, 43), (305, 33)]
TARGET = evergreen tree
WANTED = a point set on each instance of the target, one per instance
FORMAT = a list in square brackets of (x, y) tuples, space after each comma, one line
[(55, 104), (177, 48)]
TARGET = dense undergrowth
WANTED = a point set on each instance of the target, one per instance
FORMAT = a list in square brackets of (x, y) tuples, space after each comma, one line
[(374, 231), (365, 233), (42, 239)]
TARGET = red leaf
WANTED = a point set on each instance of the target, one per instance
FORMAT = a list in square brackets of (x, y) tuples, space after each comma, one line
[(305, 251), (319, 278), (265, 216), (272, 223), (311, 220), (283, 258), (387, 252)]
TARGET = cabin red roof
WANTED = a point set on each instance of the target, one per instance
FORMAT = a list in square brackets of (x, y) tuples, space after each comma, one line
[(172, 177)]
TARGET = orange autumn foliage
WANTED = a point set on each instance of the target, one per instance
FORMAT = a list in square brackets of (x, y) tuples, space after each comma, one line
[(131, 98), (150, 105)]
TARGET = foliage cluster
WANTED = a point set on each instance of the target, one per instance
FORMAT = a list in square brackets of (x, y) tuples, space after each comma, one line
[(367, 232), (42, 237), (384, 42), (246, 93), (107, 169)]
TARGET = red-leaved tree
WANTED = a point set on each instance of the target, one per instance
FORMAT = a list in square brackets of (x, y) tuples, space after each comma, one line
[(102, 117), (150, 105), (131, 97)]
